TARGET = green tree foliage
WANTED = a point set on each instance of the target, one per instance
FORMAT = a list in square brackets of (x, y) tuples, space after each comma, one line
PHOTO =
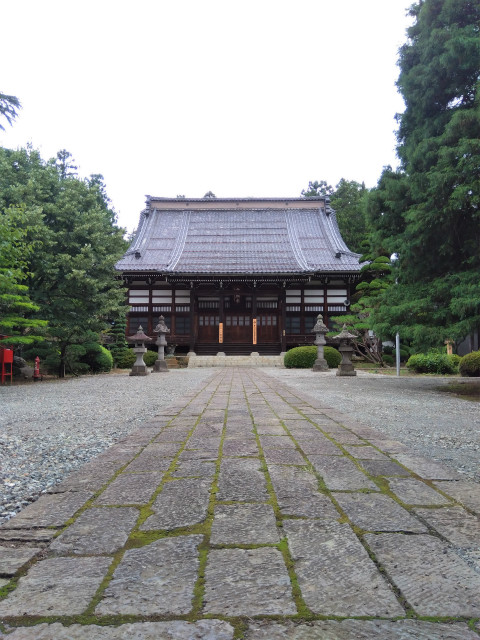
[(368, 294), (17, 312), (9, 106), (348, 200), (317, 188), (428, 211), (72, 278)]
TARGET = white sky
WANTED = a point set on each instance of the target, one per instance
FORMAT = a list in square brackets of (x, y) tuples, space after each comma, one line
[(240, 97)]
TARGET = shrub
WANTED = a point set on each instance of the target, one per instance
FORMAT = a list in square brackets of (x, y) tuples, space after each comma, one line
[(95, 356), (304, 357), (332, 356), (439, 363), (470, 365), (125, 358), (150, 357), (388, 359)]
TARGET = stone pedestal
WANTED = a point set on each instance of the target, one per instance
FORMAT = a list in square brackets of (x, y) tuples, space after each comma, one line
[(345, 368)]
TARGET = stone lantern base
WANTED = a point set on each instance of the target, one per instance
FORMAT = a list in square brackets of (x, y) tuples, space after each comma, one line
[(160, 366), (140, 370), (320, 364)]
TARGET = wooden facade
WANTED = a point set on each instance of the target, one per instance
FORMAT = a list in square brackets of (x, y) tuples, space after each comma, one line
[(237, 276)]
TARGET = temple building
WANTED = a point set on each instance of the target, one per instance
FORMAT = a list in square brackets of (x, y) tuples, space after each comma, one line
[(237, 275)]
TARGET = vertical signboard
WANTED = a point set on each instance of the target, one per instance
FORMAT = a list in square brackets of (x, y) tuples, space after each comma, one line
[(254, 324), (220, 332)]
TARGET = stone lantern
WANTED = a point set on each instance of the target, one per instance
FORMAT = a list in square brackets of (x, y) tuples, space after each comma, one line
[(161, 342), (320, 330), (345, 368), (139, 367)]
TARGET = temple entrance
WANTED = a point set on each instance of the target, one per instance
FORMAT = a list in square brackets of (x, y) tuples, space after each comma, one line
[(237, 327)]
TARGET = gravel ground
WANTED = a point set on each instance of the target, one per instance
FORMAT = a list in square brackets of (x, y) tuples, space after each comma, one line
[(48, 429), (434, 423)]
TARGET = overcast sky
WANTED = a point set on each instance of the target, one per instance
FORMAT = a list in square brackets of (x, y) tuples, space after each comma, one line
[(240, 97)]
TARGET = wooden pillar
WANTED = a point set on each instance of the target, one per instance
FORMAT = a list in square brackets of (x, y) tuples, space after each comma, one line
[(283, 318), (221, 313), (192, 319), (173, 329), (325, 304), (254, 311)]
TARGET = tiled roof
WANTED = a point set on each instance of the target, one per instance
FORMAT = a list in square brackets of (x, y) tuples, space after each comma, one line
[(246, 239)]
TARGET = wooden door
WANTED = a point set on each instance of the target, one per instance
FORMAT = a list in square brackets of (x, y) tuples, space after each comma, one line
[(208, 326), (267, 327), (238, 327)]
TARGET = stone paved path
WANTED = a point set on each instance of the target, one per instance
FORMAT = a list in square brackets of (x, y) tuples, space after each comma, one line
[(247, 511)]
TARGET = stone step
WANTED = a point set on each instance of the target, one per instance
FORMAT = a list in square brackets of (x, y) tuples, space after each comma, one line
[(222, 360)]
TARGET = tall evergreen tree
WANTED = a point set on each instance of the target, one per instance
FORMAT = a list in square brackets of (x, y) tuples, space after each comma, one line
[(72, 278), (428, 212)]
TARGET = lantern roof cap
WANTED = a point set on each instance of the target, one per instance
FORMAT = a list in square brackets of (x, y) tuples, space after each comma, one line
[(140, 336), (345, 334)]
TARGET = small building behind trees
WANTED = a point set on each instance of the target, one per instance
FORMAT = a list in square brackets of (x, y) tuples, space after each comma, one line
[(237, 275)]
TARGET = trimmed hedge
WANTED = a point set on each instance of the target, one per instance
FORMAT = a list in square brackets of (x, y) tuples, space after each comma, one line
[(150, 357), (439, 363), (470, 365), (304, 357), (124, 358)]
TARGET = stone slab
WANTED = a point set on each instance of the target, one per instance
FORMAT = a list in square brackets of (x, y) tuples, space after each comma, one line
[(246, 582), (415, 492), (240, 447), (11, 559), (383, 468), (130, 488), (198, 468), (297, 493), (158, 578), (318, 445), (242, 479), (173, 630), (91, 477), (359, 630), (197, 454), (365, 452), (284, 456), (51, 510), (468, 493), (389, 446), (378, 512), (149, 461), (346, 437), (26, 535), (431, 576), (56, 587), (277, 442), (335, 574), (458, 526), (97, 530), (244, 524), (174, 434), (181, 503), (340, 473), (425, 468)]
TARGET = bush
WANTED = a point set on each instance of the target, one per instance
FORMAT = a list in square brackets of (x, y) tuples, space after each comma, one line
[(150, 357), (96, 357), (470, 365), (439, 363), (124, 358), (388, 359), (332, 356), (304, 357)]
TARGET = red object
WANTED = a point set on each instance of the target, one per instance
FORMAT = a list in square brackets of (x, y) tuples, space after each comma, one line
[(6, 364), (36, 369)]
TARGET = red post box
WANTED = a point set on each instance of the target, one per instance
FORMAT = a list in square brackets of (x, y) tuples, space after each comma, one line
[(6, 364), (36, 369)]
